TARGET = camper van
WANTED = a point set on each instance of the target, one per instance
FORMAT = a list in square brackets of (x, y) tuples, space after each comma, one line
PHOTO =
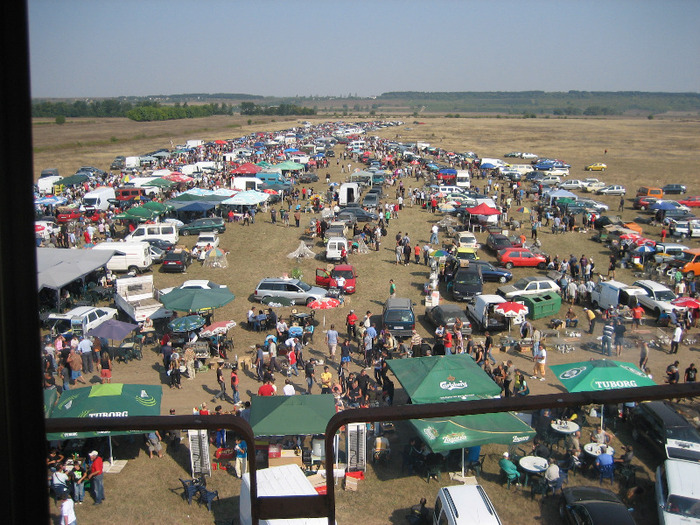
[(246, 183), (348, 193), (463, 179), (134, 257), (271, 178), (363, 178), (46, 184), (162, 230), (98, 199)]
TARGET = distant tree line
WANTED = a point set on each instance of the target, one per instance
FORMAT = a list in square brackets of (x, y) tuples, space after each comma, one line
[(249, 108), (141, 112), (80, 108), (150, 111)]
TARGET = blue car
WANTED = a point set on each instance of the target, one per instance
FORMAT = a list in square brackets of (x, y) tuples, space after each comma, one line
[(490, 273)]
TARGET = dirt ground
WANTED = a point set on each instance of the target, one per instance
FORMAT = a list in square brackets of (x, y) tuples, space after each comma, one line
[(639, 152)]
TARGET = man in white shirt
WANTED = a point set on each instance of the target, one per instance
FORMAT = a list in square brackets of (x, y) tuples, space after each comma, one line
[(288, 389), (677, 336)]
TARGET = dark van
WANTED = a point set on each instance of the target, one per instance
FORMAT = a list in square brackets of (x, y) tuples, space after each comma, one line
[(398, 317), (666, 431)]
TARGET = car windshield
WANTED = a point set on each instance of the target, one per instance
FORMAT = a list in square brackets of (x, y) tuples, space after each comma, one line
[(466, 255), (521, 284), (683, 434), (665, 295), (347, 274), (467, 278), (304, 286), (683, 506), (685, 257), (399, 316)]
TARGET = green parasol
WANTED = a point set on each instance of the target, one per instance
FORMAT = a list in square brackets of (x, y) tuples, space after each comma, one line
[(196, 299)]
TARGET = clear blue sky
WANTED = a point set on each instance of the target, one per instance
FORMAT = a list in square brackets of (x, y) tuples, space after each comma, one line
[(105, 48)]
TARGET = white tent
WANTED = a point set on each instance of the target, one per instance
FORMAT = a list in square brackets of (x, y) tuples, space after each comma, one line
[(301, 252), (247, 198)]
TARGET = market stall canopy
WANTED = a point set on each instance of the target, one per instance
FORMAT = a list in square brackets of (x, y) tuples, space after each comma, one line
[(247, 198), (291, 415), (139, 212), (246, 169), (436, 379), (186, 324), (113, 330), (600, 374), (160, 183), (483, 209), (157, 207), (50, 398), (57, 267), (196, 299), (50, 200), (503, 428), (289, 166), (193, 206), (73, 180), (106, 400)]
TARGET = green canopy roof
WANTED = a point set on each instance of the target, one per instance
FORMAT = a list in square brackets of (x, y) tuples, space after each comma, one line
[(503, 428), (50, 397), (443, 378), (196, 299), (191, 197), (160, 183), (157, 207), (264, 164), (291, 415), (139, 212), (600, 374), (289, 165), (73, 180), (107, 400)]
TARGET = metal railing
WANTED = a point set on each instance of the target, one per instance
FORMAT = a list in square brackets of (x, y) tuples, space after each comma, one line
[(323, 505)]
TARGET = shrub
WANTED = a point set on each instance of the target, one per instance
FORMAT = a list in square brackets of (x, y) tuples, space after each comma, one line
[(60, 119)]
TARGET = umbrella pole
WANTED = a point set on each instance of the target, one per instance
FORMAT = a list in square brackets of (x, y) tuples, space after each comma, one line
[(462, 463), (111, 454)]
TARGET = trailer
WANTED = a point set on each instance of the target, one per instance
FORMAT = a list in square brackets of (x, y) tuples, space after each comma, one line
[(136, 297)]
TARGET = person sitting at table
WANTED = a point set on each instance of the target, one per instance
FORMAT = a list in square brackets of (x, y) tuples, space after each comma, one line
[(552, 476), (540, 450), (571, 318), (573, 441), (147, 325), (270, 319), (570, 462), (626, 458), (601, 437), (509, 469), (282, 330), (308, 336), (520, 388), (54, 459), (604, 458), (473, 457)]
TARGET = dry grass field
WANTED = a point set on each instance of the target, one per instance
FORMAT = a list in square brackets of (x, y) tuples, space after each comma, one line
[(652, 152)]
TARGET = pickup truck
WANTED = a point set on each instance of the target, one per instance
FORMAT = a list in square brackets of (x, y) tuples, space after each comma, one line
[(482, 314), (136, 297)]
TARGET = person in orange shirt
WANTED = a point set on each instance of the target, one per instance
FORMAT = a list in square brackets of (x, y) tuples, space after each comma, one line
[(416, 253)]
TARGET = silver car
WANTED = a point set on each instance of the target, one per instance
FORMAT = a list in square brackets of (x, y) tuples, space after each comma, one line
[(292, 289)]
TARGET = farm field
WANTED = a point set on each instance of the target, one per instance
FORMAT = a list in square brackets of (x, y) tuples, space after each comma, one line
[(636, 151)]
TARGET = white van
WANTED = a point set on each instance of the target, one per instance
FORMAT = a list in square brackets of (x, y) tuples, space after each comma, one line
[(45, 185), (98, 199), (463, 179), (464, 505), (161, 230), (132, 257), (246, 183), (607, 294), (348, 193), (334, 247), (678, 492), (357, 144), (132, 162)]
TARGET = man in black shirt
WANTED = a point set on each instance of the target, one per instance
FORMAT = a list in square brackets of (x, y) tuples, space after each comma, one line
[(310, 375)]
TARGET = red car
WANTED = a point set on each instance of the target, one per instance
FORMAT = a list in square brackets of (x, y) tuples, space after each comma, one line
[(691, 202), (510, 257), (327, 278), (68, 215)]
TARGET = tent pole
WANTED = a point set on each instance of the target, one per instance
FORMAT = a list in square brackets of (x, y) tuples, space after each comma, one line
[(462, 463), (111, 455)]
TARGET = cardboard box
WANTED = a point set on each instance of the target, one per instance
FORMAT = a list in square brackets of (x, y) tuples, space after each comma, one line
[(287, 457), (351, 483), (274, 451)]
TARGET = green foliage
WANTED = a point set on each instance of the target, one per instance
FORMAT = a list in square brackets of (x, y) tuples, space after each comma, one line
[(296, 273), (249, 108), (60, 119), (651, 117)]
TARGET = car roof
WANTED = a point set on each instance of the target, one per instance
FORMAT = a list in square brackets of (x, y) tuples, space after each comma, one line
[(398, 302), (470, 504), (683, 477), (651, 284), (665, 413)]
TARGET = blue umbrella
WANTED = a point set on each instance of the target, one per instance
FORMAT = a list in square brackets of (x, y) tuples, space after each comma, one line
[(290, 150), (113, 330), (645, 249), (662, 205), (186, 324), (488, 166)]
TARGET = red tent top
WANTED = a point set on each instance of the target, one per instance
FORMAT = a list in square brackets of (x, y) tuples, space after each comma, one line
[(247, 169), (219, 141), (483, 209)]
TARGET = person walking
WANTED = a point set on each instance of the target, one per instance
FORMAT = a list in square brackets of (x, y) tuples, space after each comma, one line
[(332, 341), (392, 288), (643, 353), (221, 394), (241, 451), (677, 336), (234, 385), (96, 477)]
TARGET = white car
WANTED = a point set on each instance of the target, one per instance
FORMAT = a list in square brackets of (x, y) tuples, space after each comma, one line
[(592, 185), (614, 189), (657, 297), (79, 321), (594, 205), (573, 184), (677, 492), (528, 286), (207, 239), (551, 180), (466, 240), (529, 156)]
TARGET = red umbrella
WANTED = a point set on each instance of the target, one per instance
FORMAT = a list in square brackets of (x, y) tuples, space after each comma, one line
[(511, 309), (218, 328), (220, 142), (247, 169), (483, 209), (414, 162), (686, 302), (176, 176), (629, 236), (324, 304)]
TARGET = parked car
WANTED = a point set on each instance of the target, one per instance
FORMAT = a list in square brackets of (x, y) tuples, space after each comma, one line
[(678, 189), (528, 156), (498, 242), (398, 317), (667, 432), (446, 315), (491, 273), (463, 505), (677, 488), (510, 257), (119, 163), (292, 289), (326, 278), (551, 180), (573, 184), (466, 253), (677, 214), (528, 286), (643, 203), (596, 206), (467, 283), (691, 202), (207, 239), (466, 240), (657, 297), (512, 154), (370, 201), (176, 261), (596, 166), (157, 254), (593, 185), (593, 506), (209, 224), (160, 243), (614, 189), (80, 320), (356, 213), (307, 178)]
